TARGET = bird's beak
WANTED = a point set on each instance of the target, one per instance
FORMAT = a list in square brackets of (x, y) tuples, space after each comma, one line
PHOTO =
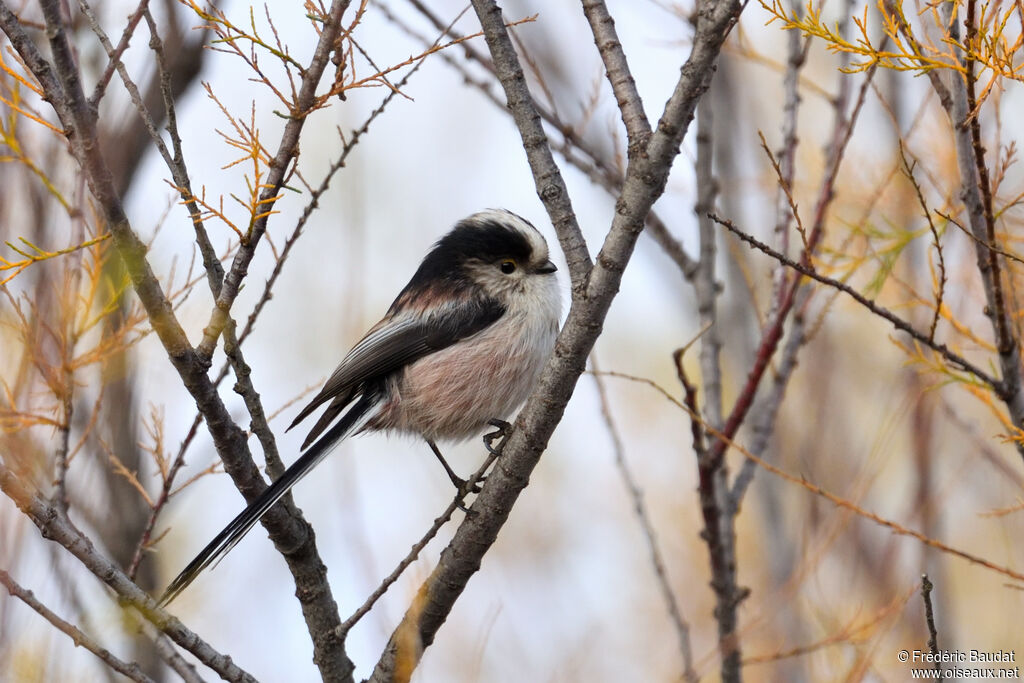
[(546, 267)]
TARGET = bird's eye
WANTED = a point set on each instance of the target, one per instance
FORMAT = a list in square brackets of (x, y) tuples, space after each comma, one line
[(508, 266)]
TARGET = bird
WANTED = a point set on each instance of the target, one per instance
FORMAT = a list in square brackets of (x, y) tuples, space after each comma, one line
[(460, 348)]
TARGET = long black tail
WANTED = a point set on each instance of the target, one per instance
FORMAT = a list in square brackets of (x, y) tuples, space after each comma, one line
[(240, 525)]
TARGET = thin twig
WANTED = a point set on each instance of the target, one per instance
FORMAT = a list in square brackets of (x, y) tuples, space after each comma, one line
[(163, 497), (165, 648), (131, 670), (929, 617), (802, 482), (679, 623), (766, 412), (176, 164), (908, 170), (114, 55), (417, 547), (60, 493), (58, 529), (987, 245), (881, 312), (287, 152)]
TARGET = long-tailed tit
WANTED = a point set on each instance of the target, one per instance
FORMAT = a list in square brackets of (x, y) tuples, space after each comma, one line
[(461, 347)]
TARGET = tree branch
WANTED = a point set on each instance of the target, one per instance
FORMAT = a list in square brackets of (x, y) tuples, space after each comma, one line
[(638, 128), (57, 528), (646, 175), (291, 534), (287, 151), (969, 160), (548, 179), (719, 531), (636, 496), (131, 670), (881, 312)]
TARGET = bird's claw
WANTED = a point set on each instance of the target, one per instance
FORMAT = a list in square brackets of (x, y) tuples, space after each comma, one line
[(501, 430)]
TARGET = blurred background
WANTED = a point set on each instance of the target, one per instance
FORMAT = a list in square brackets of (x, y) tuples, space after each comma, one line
[(569, 592)]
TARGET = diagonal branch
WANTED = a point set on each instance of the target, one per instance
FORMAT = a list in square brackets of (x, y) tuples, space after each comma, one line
[(290, 532), (130, 670), (287, 152), (36, 63), (643, 517), (57, 528), (646, 175), (881, 312), (114, 54), (638, 128)]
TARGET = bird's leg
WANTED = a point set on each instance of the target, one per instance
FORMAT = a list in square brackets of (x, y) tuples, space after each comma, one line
[(501, 430), (461, 484)]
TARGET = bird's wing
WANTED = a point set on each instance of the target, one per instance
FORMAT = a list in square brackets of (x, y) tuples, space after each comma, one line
[(397, 341)]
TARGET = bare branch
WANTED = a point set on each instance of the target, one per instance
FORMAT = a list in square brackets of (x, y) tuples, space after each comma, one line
[(681, 626), (646, 175), (548, 179), (802, 482), (285, 524), (57, 528), (929, 616), (165, 649), (176, 164), (908, 170), (417, 547), (286, 153), (113, 55), (638, 128), (719, 533), (881, 312), (766, 411), (972, 191), (131, 670)]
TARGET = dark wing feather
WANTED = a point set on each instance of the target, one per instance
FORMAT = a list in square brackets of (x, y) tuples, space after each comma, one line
[(328, 416), (397, 341)]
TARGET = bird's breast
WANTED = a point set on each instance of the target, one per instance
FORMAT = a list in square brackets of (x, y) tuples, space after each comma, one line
[(452, 394)]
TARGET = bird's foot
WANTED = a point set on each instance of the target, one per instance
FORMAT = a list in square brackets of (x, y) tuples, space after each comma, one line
[(501, 430)]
